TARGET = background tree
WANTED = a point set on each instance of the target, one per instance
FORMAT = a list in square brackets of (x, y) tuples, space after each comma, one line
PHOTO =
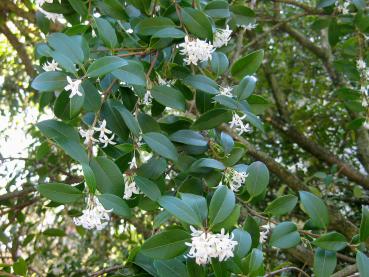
[(173, 98)]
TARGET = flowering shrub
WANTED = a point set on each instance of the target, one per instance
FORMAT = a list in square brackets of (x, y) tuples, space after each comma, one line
[(151, 102)]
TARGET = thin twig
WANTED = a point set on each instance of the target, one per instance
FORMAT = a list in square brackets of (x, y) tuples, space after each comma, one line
[(106, 270), (286, 269)]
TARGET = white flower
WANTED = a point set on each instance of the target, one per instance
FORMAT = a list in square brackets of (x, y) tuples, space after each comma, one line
[(364, 102), (226, 91), (133, 163), (363, 89), (222, 37), (164, 82), (361, 65), (196, 50), (344, 7), (366, 124), (39, 3), (266, 230), (129, 31), (73, 86), (234, 179), (51, 16), (88, 135), (93, 33), (106, 140), (147, 98), (51, 66), (130, 187), (238, 124), (102, 129), (248, 27), (205, 245), (95, 216)]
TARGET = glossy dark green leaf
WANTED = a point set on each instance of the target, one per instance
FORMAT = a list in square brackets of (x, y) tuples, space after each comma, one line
[(92, 97), (244, 242), (256, 260), (247, 65), (180, 209), (109, 179), (116, 204), (114, 119), (206, 163), (364, 225), (106, 32), (54, 232), (105, 65), (219, 63), (212, 119), (282, 205), (315, 208), (169, 97), (242, 15), (50, 81), (65, 45), (246, 87), (89, 177), (169, 32), (285, 235), (129, 120), (67, 108), (173, 268), (61, 193), (131, 74), (188, 137), (324, 262), (197, 203), (152, 25), (166, 245), (203, 83), (197, 23), (332, 241), (148, 187), (221, 205), (362, 262), (217, 9), (257, 179), (161, 145)]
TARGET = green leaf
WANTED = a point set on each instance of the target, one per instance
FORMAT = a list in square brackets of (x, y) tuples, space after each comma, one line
[(106, 32), (364, 225), (315, 208), (114, 119), (20, 267), (55, 130), (161, 145), (217, 9), (180, 209), (221, 205), (230, 221), (256, 260), (74, 149), (202, 83), (325, 3), (197, 203), (206, 163), (362, 262), (65, 45), (332, 241), (129, 120), (109, 179), (148, 187), (173, 268), (243, 15), (247, 65), (246, 87), (197, 23), (285, 235), (257, 179), (119, 206), (113, 8), (152, 25), (53, 232), (324, 262), (282, 205), (79, 6), (188, 137), (212, 119), (244, 242), (92, 97), (60, 193), (131, 74), (252, 227), (64, 61), (68, 108), (105, 65), (169, 32), (219, 63), (169, 97), (89, 177), (50, 81), (166, 245)]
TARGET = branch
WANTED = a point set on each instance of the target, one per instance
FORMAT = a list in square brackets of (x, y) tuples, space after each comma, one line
[(13, 40), (346, 271), (11, 7), (290, 268), (16, 194), (303, 6)]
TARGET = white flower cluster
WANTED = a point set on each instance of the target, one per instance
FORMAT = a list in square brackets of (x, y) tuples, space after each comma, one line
[(364, 76), (206, 245), (238, 124), (265, 231), (103, 136), (73, 86), (130, 187), (343, 8), (51, 66), (51, 16), (222, 37), (226, 91), (196, 50), (248, 27), (147, 100), (95, 216), (234, 179)]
